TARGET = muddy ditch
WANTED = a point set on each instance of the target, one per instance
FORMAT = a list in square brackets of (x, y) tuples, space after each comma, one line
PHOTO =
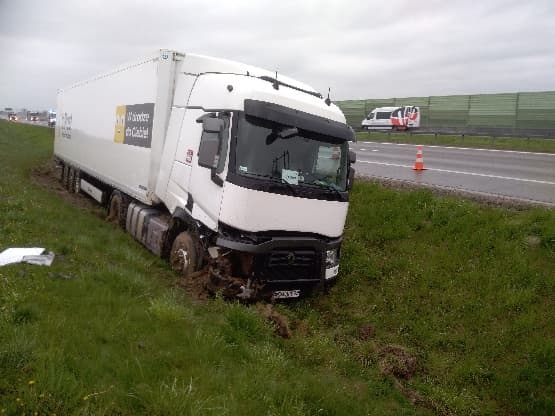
[(48, 176)]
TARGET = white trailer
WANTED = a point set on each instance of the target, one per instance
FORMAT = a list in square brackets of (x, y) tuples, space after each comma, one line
[(214, 164), (392, 118)]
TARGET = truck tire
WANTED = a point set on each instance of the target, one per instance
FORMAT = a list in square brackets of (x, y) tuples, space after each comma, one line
[(71, 180), (60, 172), (77, 181), (184, 254), (117, 208), (65, 175)]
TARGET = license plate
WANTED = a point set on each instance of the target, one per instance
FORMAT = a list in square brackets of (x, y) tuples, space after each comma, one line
[(287, 294)]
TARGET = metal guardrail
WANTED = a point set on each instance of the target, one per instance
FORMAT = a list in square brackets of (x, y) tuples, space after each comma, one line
[(466, 131)]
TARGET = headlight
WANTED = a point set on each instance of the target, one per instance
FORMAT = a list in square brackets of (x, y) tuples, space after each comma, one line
[(331, 257)]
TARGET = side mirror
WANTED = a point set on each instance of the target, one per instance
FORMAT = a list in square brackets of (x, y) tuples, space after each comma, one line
[(210, 142), (352, 157), (353, 135)]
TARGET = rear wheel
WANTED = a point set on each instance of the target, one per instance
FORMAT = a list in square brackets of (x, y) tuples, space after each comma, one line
[(185, 254), (71, 180), (77, 181), (65, 175)]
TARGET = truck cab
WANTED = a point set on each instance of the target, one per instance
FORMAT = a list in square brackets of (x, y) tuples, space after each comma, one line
[(265, 167)]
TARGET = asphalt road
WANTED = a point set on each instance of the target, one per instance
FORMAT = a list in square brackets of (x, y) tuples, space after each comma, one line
[(510, 174)]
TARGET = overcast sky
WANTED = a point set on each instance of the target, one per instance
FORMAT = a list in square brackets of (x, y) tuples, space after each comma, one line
[(361, 49)]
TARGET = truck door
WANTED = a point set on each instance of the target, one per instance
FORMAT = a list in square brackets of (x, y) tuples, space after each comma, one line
[(208, 167)]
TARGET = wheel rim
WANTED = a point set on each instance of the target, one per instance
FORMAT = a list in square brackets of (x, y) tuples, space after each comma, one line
[(182, 259), (183, 255)]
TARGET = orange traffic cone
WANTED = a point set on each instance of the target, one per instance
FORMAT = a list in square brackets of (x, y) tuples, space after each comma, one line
[(419, 164)]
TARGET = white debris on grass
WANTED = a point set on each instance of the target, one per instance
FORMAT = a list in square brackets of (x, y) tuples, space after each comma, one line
[(31, 255)]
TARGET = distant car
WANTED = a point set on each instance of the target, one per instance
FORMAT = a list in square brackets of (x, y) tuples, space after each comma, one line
[(12, 117), (33, 117)]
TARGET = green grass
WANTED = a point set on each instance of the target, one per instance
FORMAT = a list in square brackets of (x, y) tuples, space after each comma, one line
[(505, 143), (467, 290), (120, 338)]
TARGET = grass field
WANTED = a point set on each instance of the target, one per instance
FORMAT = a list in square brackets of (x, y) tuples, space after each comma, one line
[(441, 303), (505, 143)]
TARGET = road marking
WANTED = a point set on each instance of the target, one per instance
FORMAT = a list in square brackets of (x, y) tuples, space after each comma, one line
[(470, 148), (462, 173), (375, 150)]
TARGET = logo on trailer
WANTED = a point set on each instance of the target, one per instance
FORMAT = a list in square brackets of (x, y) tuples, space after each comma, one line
[(67, 119), (133, 124), (189, 157), (119, 133)]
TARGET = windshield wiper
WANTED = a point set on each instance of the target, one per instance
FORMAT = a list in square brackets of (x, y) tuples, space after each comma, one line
[(335, 190), (327, 186), (274, 180)]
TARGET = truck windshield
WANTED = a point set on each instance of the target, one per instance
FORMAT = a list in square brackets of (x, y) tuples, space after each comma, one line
[(289, 155)]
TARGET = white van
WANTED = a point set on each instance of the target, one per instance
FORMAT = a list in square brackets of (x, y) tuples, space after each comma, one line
[(392, 118)]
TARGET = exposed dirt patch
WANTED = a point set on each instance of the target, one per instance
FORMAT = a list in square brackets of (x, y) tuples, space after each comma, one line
[(400, 364), (365, 332), (412, 395), (533, 241), (281, 323), (302, 328), (195, 286), (48, 176), (397, 361)]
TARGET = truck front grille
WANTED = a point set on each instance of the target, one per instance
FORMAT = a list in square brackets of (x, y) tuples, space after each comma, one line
[(292, 265)]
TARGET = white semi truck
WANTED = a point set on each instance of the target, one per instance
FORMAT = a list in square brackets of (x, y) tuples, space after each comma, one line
[(215, 165)]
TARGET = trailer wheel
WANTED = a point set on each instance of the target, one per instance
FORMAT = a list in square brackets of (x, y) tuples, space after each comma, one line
[(60, 172), (71, 180), (77, 181), (65, 175), (117, 208), (184, 257)]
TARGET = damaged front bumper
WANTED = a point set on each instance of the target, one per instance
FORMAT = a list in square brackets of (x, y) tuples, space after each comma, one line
[(273, 267)]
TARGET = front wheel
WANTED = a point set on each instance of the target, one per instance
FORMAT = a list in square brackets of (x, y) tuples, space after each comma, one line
[(117, 208), (184, 255)]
